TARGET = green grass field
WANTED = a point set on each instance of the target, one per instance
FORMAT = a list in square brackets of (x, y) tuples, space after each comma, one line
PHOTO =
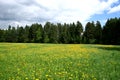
[(28, 61)]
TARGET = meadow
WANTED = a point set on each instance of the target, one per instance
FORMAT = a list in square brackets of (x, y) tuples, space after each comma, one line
[(30, 61)]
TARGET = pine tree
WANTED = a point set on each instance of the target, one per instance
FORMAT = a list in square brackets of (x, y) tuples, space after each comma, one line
[(89, 33), (98, 33), (78, 32)]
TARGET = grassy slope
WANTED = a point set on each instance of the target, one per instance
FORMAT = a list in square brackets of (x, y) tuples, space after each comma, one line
[(59, 61)]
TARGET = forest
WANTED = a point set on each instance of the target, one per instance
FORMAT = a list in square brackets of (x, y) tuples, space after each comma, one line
[(72, 33)]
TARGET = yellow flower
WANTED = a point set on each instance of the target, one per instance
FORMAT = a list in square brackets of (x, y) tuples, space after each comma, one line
[(18, 69), (26, 78), (94, 79), (46, 75)]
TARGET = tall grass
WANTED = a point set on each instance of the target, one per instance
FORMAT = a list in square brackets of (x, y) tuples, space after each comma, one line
[(22, 61)]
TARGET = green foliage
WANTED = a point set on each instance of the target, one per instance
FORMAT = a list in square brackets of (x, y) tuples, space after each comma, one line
[(98, 33), (59, 62), (47, 28), (78, 32), (21, 32), (26, 35), (39, 34), (8, 34), (94, 33), (111, 31), (1, 35), (65, 38), (89, 33)]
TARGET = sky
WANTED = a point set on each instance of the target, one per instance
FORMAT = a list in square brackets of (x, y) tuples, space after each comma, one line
[(27, 12)]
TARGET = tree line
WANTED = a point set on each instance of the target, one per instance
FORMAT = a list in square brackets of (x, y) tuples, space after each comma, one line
[(71, 33)]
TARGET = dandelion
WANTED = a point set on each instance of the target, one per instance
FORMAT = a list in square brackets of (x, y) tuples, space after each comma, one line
[(33, 71), (59, 73), (46, 75), (55, 73), (26, 78), (94, 79), (18, 69), (70, 78), (71, 75)]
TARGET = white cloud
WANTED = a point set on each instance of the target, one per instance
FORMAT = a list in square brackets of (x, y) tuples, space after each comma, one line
[(30, 11), (73, 10), (115, 9)]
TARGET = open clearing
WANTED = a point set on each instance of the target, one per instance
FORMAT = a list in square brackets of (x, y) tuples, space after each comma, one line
[(29, 61)]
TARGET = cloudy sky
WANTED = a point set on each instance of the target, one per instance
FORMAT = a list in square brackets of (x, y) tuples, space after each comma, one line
[(22, 12)]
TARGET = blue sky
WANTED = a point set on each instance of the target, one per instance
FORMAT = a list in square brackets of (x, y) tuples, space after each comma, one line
[(103, 17), (22, 12), (106, 15)]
